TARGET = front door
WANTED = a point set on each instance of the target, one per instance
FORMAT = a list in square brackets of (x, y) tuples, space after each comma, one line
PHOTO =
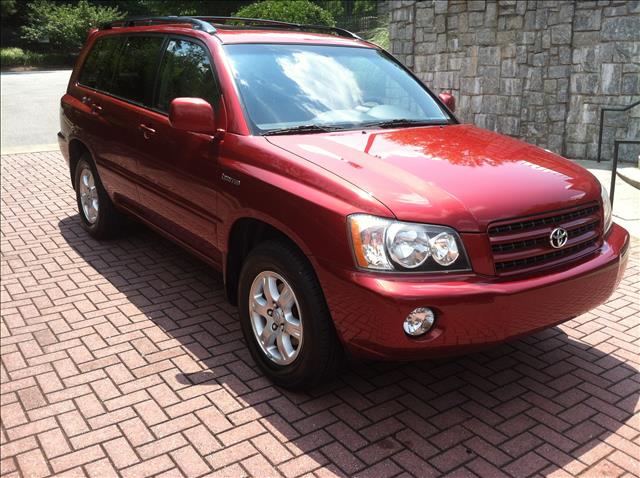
[(179, 169)]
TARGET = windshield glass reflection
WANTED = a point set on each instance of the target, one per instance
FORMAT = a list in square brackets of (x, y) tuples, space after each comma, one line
[(289, 86), (336, 89)]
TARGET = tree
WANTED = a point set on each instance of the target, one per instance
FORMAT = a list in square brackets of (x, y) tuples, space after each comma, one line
[(7, 7), (335, 7), (175, 7), (64, 26), (297, 11)]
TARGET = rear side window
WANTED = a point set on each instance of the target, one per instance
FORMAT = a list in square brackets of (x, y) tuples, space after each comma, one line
[(136, 70), (99, 66), (185, 72)]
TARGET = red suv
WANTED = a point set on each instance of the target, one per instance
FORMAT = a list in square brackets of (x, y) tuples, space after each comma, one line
[(346, 206)]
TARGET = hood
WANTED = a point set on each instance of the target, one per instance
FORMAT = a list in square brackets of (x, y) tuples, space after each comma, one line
[(459, 175)]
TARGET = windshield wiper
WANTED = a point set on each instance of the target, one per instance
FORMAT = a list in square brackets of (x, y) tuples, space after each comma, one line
[(302, 129), (314, 128), (405, 122)]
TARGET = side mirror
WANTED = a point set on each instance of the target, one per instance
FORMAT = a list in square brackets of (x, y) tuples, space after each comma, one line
[(449, 101), (192, 114)]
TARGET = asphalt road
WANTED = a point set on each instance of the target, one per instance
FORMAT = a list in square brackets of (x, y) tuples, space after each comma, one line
[(29, 110)]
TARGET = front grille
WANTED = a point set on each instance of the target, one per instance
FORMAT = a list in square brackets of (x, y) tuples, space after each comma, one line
[(514, 246), (530, 261), (524, 245), (544, 221)]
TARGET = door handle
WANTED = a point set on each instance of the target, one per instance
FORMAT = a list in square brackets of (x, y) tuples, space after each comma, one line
[(96, 109), (147, 131)]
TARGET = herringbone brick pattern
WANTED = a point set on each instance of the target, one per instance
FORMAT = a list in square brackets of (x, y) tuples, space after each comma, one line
[(122, 357)]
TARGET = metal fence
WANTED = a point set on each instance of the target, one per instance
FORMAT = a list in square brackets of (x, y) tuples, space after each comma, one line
[(358, 24)]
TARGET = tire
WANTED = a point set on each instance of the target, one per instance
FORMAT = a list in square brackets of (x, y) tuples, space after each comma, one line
[(101, 220), (317, 355)]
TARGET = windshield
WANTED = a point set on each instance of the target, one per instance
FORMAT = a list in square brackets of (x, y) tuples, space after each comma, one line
[(321, 87)]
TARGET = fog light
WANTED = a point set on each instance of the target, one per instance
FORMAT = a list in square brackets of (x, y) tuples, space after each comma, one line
[(419, 321)]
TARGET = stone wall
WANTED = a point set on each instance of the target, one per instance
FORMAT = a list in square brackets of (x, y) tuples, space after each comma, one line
[(535, 69)]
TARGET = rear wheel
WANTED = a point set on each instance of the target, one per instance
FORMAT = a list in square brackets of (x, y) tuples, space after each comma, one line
[(284, 317), (98, 215)]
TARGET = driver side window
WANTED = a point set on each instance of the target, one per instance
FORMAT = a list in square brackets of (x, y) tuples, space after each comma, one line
[(185, 72)]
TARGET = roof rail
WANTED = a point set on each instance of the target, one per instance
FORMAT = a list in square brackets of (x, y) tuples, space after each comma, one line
[(207, 24), (197, 24), (275, 24)]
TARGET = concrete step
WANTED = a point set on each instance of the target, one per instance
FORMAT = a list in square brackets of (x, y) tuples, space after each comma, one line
[(630, 175)]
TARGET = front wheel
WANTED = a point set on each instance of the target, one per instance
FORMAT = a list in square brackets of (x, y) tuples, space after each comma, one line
[(284, 317)]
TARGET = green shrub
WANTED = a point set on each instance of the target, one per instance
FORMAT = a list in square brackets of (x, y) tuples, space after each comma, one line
[(64, 26), (17, 57), (297, 11), (14, 57)]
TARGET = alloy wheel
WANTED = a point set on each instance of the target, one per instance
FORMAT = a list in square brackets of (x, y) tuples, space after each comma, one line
[(89, 196), (275, 317)]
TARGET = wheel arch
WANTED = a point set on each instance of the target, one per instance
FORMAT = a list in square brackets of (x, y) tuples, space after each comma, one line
[(244, 235), (76, 149)]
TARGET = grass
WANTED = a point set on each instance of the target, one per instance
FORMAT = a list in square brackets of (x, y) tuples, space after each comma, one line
[(379, 36), (12, 57)]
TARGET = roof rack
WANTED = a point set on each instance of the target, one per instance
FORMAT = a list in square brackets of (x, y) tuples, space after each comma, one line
[(142, 21), (206, 24), (275, 24)]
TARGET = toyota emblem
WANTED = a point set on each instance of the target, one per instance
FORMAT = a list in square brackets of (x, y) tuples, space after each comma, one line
[(558, 237)]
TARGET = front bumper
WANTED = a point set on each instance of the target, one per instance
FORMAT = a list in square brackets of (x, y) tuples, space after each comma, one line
[(471, 311)]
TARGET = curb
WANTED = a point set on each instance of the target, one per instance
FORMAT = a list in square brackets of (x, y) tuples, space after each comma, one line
[(36, 148), (14, 70)]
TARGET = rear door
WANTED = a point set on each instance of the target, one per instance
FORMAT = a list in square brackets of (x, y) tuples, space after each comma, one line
[(115, 91), (180, 170), (100, 124)]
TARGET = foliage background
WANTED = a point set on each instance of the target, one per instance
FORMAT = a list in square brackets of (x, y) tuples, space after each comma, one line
[(40, 32), (297, 11), (64, 27)]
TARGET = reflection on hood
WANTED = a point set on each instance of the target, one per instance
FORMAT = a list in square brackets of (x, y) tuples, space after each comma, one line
[(459, 175)]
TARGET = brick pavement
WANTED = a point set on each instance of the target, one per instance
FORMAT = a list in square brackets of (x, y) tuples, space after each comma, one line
[(123, 357)]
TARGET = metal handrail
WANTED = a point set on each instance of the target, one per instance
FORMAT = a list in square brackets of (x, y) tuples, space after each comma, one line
[(614, 167), (602, 112)]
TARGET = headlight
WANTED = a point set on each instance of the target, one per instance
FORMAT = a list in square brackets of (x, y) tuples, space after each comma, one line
[(367, 236), (444, 248), (386, 245), (606, 209), (407, 245)]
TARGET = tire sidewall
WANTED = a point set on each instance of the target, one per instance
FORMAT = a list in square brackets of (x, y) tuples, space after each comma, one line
[(300, 368)]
